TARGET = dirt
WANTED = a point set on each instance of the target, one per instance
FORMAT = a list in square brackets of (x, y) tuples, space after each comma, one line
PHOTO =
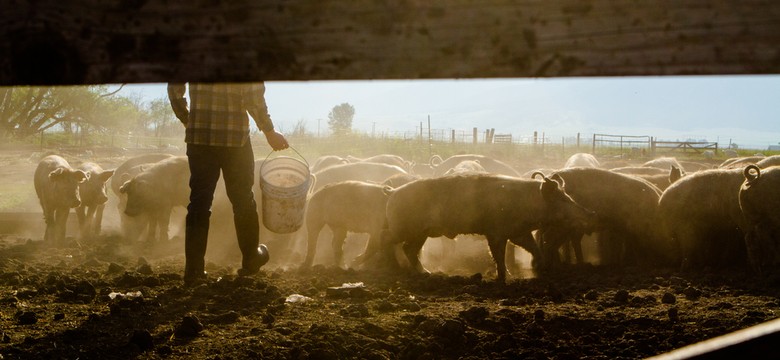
[(96, 300), (108, 299)]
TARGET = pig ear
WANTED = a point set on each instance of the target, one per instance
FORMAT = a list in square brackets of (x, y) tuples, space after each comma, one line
[(54, 175), (105, 175), (557, 178), (549, 187), (123, 188), (675, 174), (80, 176)]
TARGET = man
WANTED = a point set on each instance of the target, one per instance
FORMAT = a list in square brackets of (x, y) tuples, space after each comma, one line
[(217, 137)]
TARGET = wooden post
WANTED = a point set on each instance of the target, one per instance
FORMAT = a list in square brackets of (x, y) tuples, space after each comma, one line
[(453, 135), (593, 149), (578, 141), (474, 136)]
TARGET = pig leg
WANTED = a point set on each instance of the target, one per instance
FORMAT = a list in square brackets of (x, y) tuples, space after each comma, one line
[(48, 218), (314, 229), (337, 244), (372, 247), (81, 213), (527, 242), (98, 219), (163, 222), (60, 221), (497, 247), (412, 246)]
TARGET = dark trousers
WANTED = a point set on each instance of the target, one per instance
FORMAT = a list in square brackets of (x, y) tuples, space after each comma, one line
[(237, 166)]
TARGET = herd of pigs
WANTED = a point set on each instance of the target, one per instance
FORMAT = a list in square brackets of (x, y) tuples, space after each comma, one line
[(663, 212)]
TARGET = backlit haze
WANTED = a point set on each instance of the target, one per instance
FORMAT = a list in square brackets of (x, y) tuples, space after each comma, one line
[(744, 110)]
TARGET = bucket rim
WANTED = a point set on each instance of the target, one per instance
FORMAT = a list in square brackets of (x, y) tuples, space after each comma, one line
[(290, 147)]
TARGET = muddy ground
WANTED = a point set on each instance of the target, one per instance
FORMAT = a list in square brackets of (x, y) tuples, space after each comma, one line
[(106, 298)]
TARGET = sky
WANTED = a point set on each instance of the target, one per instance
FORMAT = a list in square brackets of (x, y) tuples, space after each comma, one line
[(744, 110)]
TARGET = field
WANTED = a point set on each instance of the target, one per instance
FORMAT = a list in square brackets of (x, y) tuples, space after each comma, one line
[(105, 298)]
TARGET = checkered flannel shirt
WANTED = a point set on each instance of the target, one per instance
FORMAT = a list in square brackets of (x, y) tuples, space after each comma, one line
[(218, 112)]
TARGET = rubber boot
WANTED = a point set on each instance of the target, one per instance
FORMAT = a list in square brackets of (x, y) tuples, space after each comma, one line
[(195, 241), (248, 234)]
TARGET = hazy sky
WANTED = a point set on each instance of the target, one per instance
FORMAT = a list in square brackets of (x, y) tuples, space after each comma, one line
[(743, 109)]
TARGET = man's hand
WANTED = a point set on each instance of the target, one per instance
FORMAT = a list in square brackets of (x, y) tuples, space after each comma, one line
[(276, 140)]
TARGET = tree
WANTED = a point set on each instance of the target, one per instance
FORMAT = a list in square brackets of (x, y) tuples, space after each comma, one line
[(29, 110), (340, 119)]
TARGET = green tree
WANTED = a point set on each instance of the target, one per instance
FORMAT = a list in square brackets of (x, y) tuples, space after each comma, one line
[(340, 119), (29, 110), (162, 119)]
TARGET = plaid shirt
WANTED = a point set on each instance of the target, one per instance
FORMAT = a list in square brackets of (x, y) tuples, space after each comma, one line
[(218, 112)]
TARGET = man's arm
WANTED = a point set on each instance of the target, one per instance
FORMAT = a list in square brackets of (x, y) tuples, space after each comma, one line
[(254, 98), (179, 102)]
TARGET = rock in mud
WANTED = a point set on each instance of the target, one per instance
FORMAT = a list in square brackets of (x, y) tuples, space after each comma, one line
[(190, 326)]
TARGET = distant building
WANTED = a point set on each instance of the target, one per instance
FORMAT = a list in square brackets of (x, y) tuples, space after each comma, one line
[(774, 148)]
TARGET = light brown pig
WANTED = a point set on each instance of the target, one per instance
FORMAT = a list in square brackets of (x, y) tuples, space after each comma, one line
[(499, 207), (701, 219), (134, 227), (93, 199), (156, 190), (361, 171), (57, 187), (348, 206)]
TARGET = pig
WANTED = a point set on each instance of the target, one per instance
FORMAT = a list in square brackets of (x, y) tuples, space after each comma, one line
[(490, 165), (466, 167), (639, 170), (740, 162), (701, 221), (664, 163), (426, 170), (358, 171), (768, 161), (93, 199), (353, 206), (57, 186), (582, 160), (625, 208), (497, 206), (156, 190), (658, 177), (388, 159), (758, 199), (133, 227), (400, 179), (326, 161)]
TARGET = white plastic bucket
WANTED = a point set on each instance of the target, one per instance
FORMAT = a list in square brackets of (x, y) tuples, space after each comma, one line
[(284, 182)]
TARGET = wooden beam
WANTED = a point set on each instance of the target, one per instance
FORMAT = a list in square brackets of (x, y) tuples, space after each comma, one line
[(116, 41), (756, 342)]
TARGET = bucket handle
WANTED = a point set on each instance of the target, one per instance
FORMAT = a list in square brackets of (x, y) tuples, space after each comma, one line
[(272, 151)]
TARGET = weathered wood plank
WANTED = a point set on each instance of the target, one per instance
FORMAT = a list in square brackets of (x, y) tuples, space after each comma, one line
[(111, 41)]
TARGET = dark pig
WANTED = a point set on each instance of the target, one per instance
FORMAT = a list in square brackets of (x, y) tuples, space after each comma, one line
[(93, 198), (57, 186), (499, 207), (156, 190), (759, 198), (625, 208)]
